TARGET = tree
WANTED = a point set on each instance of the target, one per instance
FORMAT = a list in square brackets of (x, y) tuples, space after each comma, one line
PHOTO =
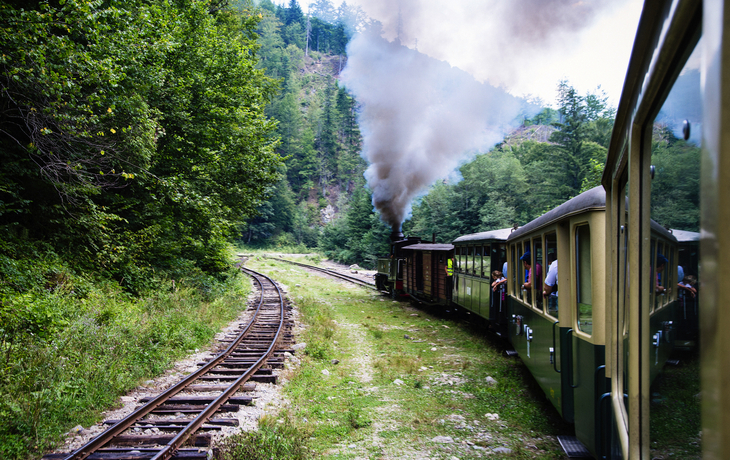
[(294, 14), (324, 10), (145, 124)]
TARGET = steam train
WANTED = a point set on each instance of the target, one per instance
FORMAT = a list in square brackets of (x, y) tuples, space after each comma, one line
[(597, 346)]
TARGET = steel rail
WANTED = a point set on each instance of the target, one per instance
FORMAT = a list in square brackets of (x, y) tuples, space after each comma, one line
[(169, 450), (125, 423), (329, 272)]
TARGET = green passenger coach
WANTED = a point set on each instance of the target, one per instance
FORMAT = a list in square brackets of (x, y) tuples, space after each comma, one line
[(476, 256)]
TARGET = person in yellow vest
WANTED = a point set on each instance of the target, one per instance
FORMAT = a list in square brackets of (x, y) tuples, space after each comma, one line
[(449, 277)]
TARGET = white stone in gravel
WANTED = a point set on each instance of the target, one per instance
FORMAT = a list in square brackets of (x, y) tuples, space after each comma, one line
[(491, 382), (492, 416), (443, 439), (398, 382), (325, 372), (434, 349), (502, 450), (299, 346)]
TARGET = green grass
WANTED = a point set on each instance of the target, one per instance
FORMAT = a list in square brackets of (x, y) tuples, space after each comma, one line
[(675, 409), (389, 395), (70, 345)]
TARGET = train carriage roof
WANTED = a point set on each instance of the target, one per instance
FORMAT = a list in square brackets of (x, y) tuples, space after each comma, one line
[(429, 247), (684, 236), (502, 234), (591, 200)]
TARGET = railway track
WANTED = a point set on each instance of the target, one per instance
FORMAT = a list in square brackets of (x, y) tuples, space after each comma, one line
[(334, 274), (185, 416)]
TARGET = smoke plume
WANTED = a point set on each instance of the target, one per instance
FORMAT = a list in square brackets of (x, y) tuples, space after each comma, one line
[(515, 43), (420, 119)]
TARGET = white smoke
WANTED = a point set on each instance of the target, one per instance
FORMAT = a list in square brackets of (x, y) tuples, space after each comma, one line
[(420, 119)]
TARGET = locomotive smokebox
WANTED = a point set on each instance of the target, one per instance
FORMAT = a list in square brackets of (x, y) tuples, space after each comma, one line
[(396, 234)]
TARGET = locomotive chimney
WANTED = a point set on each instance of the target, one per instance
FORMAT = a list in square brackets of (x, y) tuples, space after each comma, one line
[(396, 234)]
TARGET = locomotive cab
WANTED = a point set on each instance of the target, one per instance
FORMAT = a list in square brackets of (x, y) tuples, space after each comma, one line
[(389, 277)]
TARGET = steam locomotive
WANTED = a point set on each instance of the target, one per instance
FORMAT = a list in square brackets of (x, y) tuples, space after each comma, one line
[(597, 349)]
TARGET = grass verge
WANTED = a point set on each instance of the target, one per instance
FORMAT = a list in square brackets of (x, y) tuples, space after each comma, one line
[(71, 344), (380, 379)]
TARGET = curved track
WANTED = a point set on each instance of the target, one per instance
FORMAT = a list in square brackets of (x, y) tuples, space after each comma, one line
[(182, 415), (334, 274)]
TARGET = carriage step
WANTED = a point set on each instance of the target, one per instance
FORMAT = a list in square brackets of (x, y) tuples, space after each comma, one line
[(573, 448)]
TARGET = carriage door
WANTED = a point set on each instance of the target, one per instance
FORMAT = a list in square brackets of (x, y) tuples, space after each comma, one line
[(654, 414), (674, 409)]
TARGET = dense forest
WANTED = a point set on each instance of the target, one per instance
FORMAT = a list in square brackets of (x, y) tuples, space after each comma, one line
[(141, 138)]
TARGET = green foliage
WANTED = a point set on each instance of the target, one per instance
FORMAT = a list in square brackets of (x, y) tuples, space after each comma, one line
[(63, 332), (320, 139), (675, 189), (136, 136), (358, 237)]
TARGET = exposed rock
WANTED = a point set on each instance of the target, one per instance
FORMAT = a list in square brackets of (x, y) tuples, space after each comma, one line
[(502, 450), (443, 439), (398, 382), (325, 372), (299, 346), (491, 382), (335, 361)]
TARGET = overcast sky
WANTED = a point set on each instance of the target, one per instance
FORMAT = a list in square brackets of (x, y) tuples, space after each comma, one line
[(525, 46)]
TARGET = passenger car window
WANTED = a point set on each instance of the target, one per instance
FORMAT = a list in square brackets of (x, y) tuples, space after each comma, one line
[(512, 268), (551, 254), (584, 289), (538, 274)]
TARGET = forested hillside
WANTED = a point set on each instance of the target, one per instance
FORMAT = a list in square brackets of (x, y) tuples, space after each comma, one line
[(316, 121), (133, 144)]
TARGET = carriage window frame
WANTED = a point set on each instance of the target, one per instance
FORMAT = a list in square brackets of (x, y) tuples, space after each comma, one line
[(486, 249), (546, 267), (512, 269), (536, 300), (583, 277), (478, 260)]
